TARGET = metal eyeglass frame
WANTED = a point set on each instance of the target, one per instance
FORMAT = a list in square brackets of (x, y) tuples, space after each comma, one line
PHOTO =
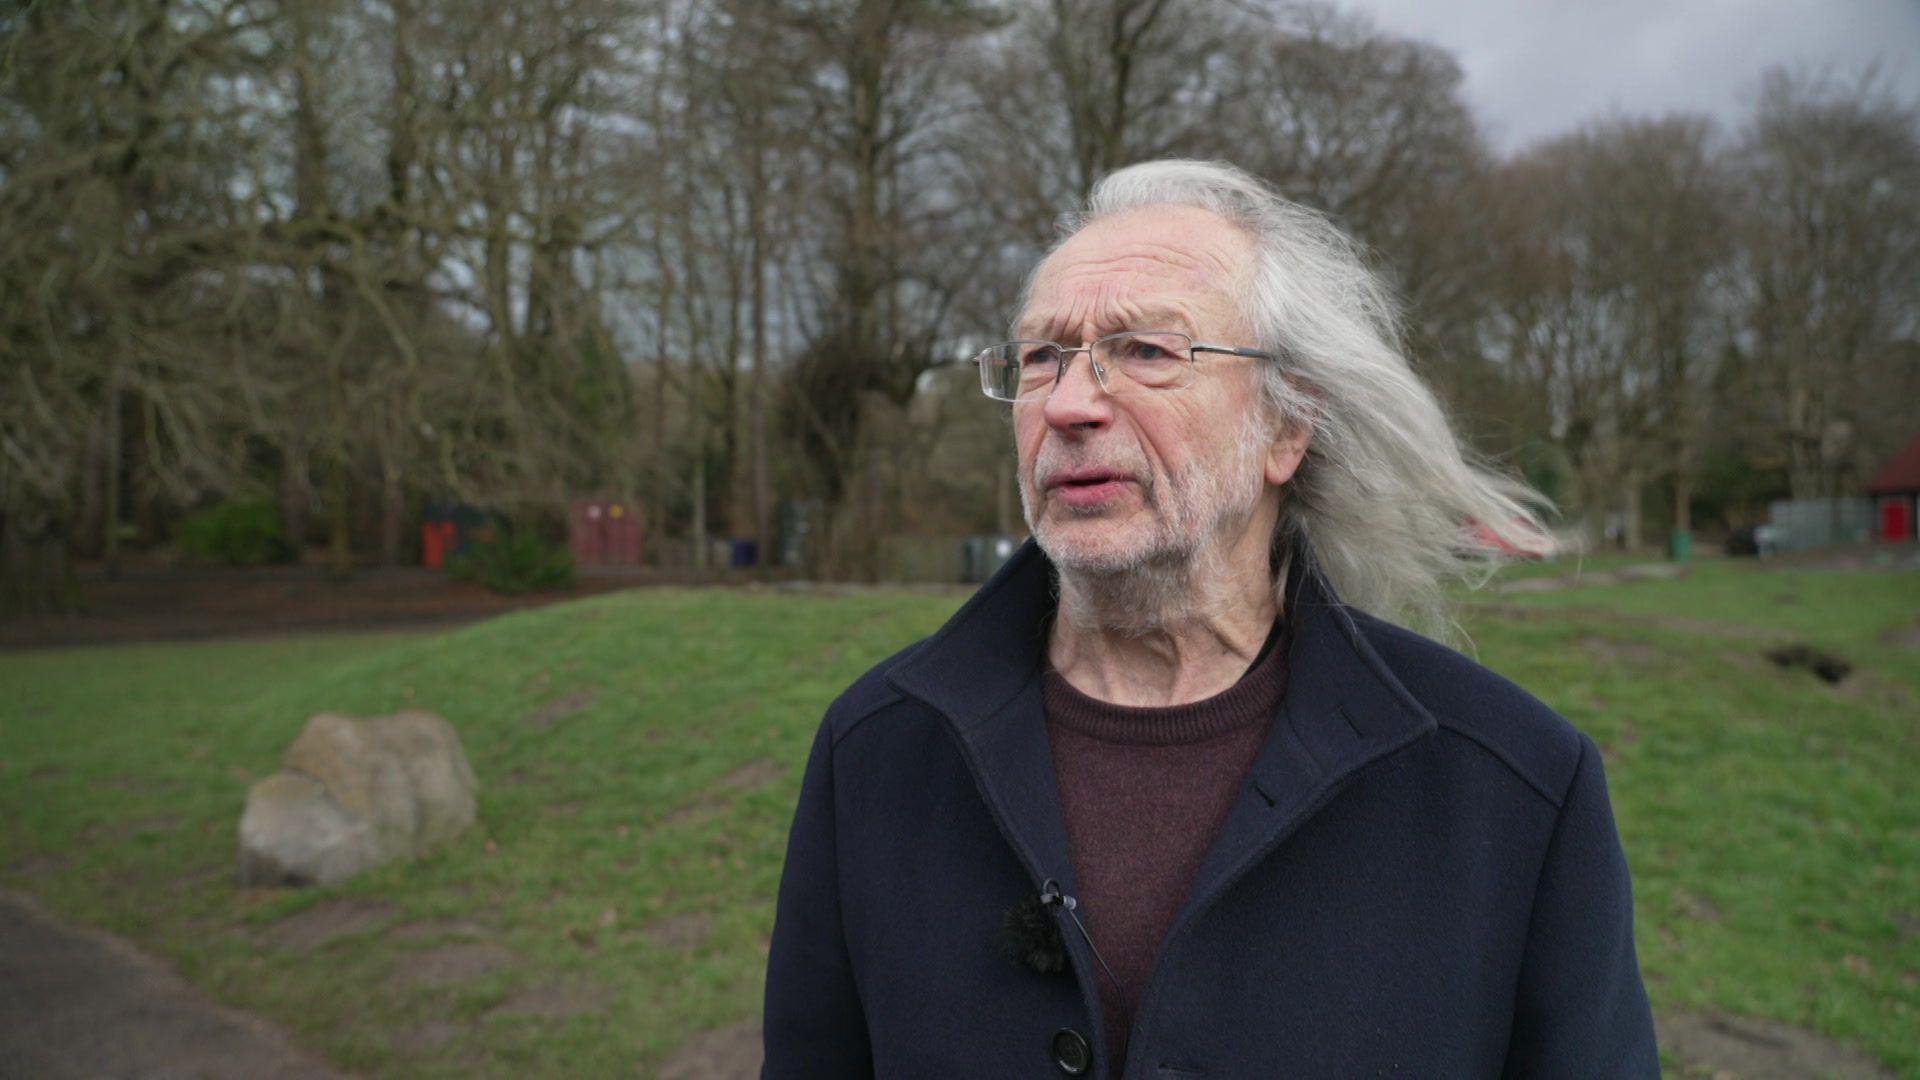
[(1100, 373)]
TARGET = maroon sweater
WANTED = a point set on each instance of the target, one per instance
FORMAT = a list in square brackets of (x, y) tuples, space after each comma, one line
[(1144, 791)]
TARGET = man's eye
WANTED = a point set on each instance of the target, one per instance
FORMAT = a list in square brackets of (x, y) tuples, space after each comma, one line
[(1039, 355), (1147, 351)]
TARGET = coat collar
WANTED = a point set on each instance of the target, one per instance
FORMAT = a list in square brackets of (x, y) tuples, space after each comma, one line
[(1343, 709)]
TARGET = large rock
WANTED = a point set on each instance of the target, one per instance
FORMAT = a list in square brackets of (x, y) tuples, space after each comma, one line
[(353, 794)]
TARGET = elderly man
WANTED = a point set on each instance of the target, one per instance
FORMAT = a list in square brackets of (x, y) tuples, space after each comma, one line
[(1170, 797)]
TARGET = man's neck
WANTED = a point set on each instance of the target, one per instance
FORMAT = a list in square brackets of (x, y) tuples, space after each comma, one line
[(1134, 641)]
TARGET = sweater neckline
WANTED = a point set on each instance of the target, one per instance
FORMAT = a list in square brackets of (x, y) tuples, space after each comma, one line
[(1246, 703)]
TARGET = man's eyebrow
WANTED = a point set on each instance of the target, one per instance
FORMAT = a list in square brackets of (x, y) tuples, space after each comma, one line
[(1162, 318), (1028, 329), (1158, 318)]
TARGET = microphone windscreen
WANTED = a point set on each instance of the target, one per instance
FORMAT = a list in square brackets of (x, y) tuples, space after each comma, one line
[(1031, 937)]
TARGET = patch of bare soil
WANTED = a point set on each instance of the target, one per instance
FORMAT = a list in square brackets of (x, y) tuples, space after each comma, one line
[(699, 810), (679, 933), (1615, 651), (1699, 908), (449, 965), (559, 709), (195, 880), (1868, 685), (326, 922), (1908, 924), (1723, 1047), (1905, 637), (428, 1038), (39, 866), (553, 1002), (436, 930), (754, 774), (81, 1003), (728, 1053)]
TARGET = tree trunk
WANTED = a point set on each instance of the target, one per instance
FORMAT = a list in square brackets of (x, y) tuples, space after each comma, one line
[(762, 487), (295, 498), (1683, 489), (110, 537), (699, 530), (757, 382), (143, 475), (92, 519), (393, 512), (36, 576), (1630, 497), (339, 516)]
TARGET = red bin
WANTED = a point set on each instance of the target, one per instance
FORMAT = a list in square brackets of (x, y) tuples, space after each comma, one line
[(437, 540)]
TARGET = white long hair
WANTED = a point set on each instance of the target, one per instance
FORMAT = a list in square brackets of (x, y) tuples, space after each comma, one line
[(1392, 505)]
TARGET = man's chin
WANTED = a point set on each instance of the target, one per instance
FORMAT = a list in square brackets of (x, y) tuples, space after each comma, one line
[(1094, 548)]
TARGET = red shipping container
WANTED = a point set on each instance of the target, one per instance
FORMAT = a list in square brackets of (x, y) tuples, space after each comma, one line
[(603, 532), (1896, 520)]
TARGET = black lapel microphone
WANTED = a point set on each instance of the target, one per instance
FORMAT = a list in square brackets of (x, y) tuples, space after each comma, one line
[(1030, 932)]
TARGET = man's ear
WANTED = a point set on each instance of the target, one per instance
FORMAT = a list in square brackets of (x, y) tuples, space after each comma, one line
[(1285, 453)]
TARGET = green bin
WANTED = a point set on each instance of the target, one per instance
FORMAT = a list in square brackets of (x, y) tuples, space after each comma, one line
[(1681, 547)]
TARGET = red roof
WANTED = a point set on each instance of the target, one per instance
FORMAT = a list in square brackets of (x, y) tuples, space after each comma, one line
[(1900, 474)]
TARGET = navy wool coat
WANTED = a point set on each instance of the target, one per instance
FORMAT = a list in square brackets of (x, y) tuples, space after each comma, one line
[(1421, 877)]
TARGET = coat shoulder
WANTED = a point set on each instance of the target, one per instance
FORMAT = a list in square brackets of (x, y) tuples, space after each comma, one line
[(1472, 702), (870, 694)]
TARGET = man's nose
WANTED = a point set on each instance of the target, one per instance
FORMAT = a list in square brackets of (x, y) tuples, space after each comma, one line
[(1078, 400)]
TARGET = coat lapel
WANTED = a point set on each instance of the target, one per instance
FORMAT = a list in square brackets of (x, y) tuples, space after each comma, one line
[(982, 672), (1343, 709)]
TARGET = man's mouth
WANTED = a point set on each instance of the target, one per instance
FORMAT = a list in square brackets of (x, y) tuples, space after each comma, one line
[(1086, 477), (1087, 486)]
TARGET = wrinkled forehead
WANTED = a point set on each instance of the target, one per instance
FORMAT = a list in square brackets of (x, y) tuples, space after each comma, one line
[(1156, 268)]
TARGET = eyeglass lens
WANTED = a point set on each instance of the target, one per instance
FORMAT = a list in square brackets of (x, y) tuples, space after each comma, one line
[(1123, 363)]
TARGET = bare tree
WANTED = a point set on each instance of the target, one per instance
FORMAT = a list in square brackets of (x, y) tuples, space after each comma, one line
[(365, 253), (1831, 254), (119, 139), (1665, 232)]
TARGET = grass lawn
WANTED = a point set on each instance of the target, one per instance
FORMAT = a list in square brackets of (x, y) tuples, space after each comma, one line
[(639, 755)]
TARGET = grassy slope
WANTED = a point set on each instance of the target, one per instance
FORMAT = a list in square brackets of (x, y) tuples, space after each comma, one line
[(136, 761), (1769, 819)]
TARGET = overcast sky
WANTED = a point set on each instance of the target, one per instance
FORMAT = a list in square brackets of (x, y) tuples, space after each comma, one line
[(1537, 68)]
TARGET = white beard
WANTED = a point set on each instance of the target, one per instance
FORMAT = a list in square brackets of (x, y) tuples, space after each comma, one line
[(1146, 579)]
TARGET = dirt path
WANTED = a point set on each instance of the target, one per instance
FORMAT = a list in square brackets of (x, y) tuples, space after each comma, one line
[(81, 1003), (1718, 1047), (157, 604)]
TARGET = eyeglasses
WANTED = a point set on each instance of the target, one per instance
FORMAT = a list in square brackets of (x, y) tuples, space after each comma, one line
[(1132, 362)]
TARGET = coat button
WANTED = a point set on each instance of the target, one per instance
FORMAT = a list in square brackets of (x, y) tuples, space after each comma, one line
[(1070, 1052)]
